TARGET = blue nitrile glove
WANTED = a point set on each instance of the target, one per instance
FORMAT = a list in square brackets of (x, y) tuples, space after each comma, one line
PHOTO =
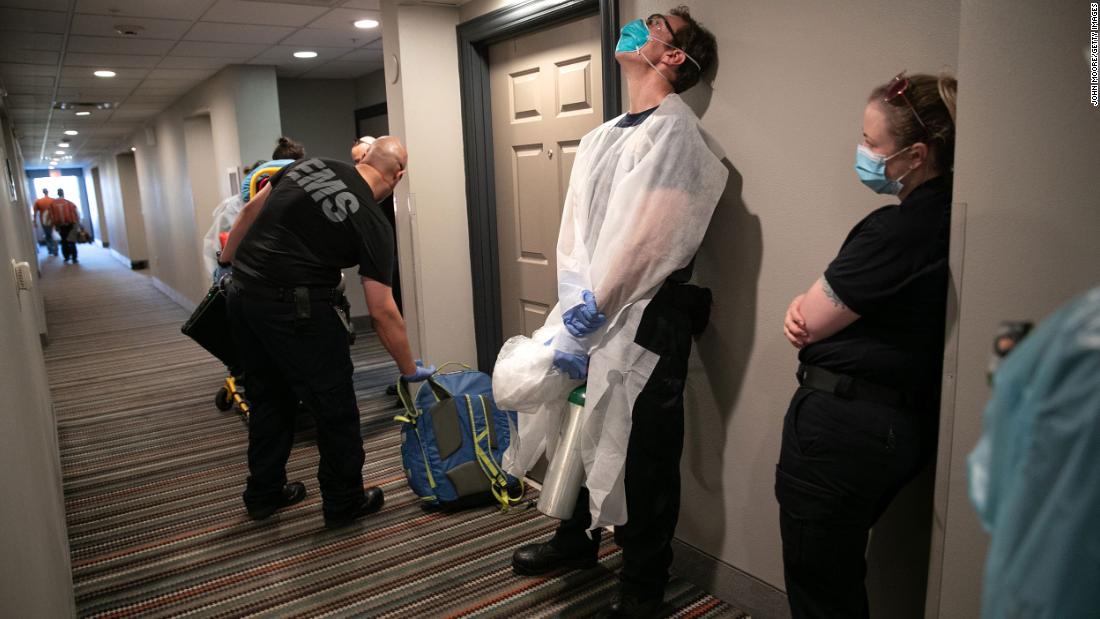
[(583, 318), (220, 272), (574, 366), (421, 373)]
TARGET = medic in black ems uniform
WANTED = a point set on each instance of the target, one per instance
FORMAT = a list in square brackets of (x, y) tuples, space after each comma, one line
[(315, 217), (870, 337)]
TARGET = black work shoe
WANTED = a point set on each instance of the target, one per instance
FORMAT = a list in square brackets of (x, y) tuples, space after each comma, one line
[(537, 559), (293, 493), (628, 605), (372, 502)]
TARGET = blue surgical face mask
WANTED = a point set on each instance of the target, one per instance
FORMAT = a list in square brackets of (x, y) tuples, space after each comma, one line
[(871, 168), (632, 36)]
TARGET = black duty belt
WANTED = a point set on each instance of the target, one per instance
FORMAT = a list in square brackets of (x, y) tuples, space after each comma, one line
[(850, 387), (288, 295)]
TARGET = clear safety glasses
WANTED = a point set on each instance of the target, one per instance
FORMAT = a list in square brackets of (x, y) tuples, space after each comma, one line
[(660, 22)]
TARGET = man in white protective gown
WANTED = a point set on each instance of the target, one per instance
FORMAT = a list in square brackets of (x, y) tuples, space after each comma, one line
[(641, 194)]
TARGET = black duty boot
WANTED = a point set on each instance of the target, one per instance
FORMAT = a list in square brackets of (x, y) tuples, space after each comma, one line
[(293, 493), (626, 604), (536, 559), (372, 502)]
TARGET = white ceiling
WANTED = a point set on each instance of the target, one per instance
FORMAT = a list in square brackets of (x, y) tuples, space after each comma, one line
[(49, 48)]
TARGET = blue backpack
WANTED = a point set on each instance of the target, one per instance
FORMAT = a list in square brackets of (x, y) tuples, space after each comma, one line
[(452, 440)]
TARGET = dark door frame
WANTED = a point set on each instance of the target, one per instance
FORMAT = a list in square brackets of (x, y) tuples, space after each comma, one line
[(370, 111), (474, 38)]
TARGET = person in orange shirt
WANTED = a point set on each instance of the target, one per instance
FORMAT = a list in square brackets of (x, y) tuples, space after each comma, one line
[(42, 213), (65, 216)]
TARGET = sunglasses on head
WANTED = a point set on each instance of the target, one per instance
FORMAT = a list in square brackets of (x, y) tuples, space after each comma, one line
[(896, 89)]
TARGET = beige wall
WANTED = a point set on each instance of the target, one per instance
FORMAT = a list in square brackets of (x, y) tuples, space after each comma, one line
[(95, 199), (122, 208), (24, 201), (787, 106), (320, 114), (35, 579), (242, 105), (133, 208), (370, 89), (113, 215), (477, 8), (1026, 162), (424, 110), (206, 182)]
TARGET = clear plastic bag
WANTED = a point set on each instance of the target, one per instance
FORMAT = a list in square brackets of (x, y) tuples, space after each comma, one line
[(524, 377)]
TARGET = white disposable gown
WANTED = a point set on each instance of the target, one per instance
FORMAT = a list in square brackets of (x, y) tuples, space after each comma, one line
[(1033, 475), (224, 215), (638, 204)]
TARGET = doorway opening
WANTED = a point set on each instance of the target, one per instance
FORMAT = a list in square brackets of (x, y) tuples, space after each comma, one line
[(71, 180)]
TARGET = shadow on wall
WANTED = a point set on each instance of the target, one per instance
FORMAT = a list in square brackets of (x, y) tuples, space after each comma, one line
[(728, 263)]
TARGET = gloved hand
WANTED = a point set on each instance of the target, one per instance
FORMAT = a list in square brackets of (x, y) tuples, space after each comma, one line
[(574, 366), (584, 318), (421, 373), (220, 272)]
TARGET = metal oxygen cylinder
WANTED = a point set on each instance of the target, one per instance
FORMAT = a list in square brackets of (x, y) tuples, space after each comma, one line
[(565, 474)]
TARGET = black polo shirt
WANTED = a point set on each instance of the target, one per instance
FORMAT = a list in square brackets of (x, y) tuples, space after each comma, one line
[(319, 218), (892, 271)]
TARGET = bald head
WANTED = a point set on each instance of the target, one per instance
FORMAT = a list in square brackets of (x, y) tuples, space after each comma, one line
[(383, 165), (387, 155)]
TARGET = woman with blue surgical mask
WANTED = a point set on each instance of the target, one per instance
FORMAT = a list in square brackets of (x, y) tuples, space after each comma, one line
[(869, 332)]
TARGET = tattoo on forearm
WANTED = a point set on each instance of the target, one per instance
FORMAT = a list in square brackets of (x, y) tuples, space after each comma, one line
[(828, 290)]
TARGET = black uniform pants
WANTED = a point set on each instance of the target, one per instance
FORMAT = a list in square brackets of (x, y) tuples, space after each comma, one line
[(840, 464), (287, 360), (652, 476), (68, 248)]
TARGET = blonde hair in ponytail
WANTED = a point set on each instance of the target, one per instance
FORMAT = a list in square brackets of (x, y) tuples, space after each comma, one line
[(933, 100)]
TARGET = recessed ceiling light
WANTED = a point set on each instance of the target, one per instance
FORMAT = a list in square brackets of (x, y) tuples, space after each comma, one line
[(83, 113), (133, 149), (366, 23), (128, 30), (59, 152), (71, 132), (64, 144), (305, 54), (104, 73)]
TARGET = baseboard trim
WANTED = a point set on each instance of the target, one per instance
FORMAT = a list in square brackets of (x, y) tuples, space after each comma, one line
[(117, 256), (741, 590), (135, 265), (175, 295)]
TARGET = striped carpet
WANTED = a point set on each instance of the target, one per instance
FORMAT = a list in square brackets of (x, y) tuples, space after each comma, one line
[(153, 475)]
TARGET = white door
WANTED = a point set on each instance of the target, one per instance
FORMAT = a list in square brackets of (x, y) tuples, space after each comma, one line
[(546, 94)]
